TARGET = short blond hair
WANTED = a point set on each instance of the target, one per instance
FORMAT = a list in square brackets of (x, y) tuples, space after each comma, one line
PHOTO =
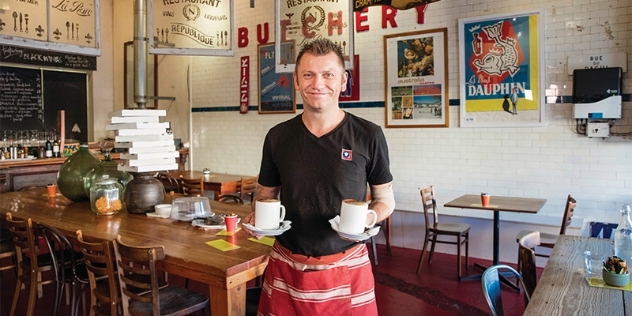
[(321, 47)]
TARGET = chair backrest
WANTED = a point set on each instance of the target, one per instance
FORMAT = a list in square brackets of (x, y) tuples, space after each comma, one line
[(192, 187), (7, 250), (491, 287), (228, 198), (430, 204), (170, 183), (138, 261), (24, 240), (248, 187), (526, 261), (569, 211), (62, 251), (99, 260)]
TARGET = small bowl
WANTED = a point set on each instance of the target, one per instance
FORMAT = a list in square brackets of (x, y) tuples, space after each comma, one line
[(615, 279), (163, 209)]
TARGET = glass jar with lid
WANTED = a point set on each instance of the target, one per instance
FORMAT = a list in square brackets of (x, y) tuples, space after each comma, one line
[(106, 196)]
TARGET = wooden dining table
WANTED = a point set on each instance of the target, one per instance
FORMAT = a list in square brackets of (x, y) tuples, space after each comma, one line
[(187, 254), (219, 183), (563, 289), (497, 204)]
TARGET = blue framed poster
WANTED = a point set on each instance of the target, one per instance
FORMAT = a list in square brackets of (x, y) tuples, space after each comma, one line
[(502, 70), (276, 90)]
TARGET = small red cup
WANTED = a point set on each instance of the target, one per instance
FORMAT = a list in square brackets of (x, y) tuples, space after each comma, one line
[(485, 199), (52, 190), (231, 223)]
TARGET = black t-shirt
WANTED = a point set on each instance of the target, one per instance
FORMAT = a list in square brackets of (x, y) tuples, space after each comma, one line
[(317, 173)]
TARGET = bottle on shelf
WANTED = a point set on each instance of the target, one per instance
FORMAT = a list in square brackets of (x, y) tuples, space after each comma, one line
[(48, 149), (56, 153), (13, 150), (623, 236)]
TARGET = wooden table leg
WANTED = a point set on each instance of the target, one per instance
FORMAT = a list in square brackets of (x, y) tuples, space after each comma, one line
[(231, 302)]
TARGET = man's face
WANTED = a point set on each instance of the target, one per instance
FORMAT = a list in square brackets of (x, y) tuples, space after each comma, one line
[(320, 79)]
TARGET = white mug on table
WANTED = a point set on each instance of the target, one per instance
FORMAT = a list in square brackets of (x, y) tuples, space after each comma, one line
[(269, 213), (353, 216)]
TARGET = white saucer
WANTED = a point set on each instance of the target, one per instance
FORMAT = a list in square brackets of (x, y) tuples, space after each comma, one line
[(353, 237), (285, 225), (200, 223)]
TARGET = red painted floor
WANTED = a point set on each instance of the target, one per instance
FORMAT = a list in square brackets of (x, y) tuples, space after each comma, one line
[(398, 289)]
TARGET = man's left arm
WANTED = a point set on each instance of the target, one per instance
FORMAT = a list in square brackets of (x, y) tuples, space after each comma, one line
[(382, 200)]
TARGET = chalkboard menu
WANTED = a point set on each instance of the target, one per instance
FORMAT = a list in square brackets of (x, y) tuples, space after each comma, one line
[(31, 98), (20, 98)]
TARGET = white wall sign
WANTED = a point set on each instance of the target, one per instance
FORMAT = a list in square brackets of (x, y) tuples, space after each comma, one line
[(597, 61), (190, 27), (57, 25)]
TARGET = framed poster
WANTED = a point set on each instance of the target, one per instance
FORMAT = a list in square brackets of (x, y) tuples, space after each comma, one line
[(60, 26), (202, 28), (303, 21), (502, 70), (276, 90), (416, 79)]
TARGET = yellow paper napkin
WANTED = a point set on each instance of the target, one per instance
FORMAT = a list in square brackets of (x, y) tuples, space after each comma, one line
[(222, 245), (598, 282), (264, 240), (224, 232)]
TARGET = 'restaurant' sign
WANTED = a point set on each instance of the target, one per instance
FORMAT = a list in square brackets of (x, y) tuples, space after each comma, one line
[(190, 27), (299, 22)]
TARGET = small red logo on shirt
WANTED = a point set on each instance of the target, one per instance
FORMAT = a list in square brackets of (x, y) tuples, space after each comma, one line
[(347, 154)]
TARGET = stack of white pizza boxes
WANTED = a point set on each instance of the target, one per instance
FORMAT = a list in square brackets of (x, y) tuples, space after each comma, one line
[(149, 146)]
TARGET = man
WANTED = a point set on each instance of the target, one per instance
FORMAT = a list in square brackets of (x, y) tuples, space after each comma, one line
[(314, 161), (514, 100)]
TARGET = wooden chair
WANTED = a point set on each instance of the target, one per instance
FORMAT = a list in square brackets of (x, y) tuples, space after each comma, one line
[(104, 289), (141, 261), (491, 287), (170, 183), (30, 263), (526, 261), (68, 266), (7, 251), (248, 188), (231, 199), (548, 240), (435, 229), (192, 187)]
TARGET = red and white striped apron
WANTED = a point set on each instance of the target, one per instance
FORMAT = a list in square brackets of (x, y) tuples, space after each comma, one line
[(338, 284)]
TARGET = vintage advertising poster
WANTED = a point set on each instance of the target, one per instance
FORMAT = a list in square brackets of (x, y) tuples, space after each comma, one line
[(276, 90), (302, 21), (56, 25), (501, 70), (352, 92), (416, 79), (201, 27)]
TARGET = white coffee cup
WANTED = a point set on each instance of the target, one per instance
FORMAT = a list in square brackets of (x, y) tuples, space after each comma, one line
[(269, 213), (353, 216)]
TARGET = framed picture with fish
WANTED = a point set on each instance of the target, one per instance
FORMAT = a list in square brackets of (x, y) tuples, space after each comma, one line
[(416, 79), (502, 70)]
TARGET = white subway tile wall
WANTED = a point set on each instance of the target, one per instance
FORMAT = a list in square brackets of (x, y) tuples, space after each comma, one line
[(544, 162)]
